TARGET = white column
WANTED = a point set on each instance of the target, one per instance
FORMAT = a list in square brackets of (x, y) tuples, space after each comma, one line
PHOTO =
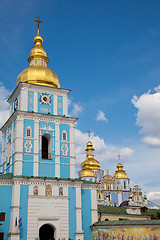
[(79, 231), (35, 102), (14, 232), (72, 151), (57, 150), (119, 198), (18, 147), (94, 205), (55, 105), (65, 105), (24, 99), (36, 147)]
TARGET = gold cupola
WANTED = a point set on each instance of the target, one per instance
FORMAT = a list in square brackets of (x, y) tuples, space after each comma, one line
[(37, 72), (90, 163), (120, 173)]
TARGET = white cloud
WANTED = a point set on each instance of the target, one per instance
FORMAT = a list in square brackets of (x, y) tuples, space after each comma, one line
[(103, 152), (148, 116), (154, 197), (74, 108), (101, 116)]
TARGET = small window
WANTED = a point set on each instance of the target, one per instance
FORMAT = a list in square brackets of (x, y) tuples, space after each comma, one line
[(28, 132), (1, 236), (64, 136), (124, 184), (2, 216)]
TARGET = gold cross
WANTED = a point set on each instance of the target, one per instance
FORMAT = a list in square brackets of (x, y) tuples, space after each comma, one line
[(38, 21), (89, 131), (119, 156)]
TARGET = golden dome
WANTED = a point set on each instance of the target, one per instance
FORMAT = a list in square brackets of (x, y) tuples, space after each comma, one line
[(90, 163), (120, 173), (37, 72), (107, 176)]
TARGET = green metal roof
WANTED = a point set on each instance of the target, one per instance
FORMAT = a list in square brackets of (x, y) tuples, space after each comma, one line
[(127, 222), (6, 176), (122, 211), (10, 175)]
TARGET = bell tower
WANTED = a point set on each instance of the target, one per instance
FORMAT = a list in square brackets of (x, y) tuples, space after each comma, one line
[(38, 138)]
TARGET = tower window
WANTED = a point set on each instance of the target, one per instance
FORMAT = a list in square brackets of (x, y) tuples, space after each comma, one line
[(2, 216), (124, 184), (64, 136), (46, 146), (9, 151), (1, 236), (28, 131)]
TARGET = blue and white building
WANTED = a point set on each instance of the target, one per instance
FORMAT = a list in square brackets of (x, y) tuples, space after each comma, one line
[(40, 196)]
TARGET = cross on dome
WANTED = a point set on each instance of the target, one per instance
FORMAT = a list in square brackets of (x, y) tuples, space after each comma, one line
[(119, 156), (89, 132), (38, 21)]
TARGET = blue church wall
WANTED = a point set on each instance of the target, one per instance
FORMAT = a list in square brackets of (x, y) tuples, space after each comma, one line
[(125, 196), (30, 101), (65, 171), (72, 212), (64, 160), (46, 169), (86, 213), (23, 211), (5, 206), (27, 166), (114, 198), (60, 105), (42, 108)]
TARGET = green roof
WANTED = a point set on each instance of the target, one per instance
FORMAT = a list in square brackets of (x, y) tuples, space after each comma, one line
[(122, 211), (10, 175), (6, 176), (127, 222)]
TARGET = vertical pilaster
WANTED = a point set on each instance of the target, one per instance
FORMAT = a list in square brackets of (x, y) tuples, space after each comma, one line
[(24, 99), (57, 150), (18, 146), (35, 102), (14, 232), (94, 205), (79, 231), (65, 105), (119, 198), (36, 147), (55, 104), (72, 151)]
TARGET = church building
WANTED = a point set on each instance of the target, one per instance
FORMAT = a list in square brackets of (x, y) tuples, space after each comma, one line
[(40, 196)]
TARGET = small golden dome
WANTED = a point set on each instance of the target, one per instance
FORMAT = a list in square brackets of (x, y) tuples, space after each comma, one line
[(86, 171), (120, 173), (37, 72), (107, 176)]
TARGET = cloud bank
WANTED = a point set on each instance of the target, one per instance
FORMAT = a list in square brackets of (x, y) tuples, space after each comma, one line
[(148, 116)]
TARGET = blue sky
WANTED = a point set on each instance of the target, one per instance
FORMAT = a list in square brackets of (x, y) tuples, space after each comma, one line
[(106, 52)]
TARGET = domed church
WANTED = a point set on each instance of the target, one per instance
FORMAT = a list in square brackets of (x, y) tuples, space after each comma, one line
[(40, 196)]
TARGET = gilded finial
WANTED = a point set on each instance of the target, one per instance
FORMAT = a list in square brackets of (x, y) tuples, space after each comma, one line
[(119, 156), (107, 171), (38, 21), (89, 132)]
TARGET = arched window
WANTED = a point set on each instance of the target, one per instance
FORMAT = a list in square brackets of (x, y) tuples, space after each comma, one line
[(61, 191), (28, 131), (124, 184), (64, 135), (48, 190), (1, 236), (46, 146)]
